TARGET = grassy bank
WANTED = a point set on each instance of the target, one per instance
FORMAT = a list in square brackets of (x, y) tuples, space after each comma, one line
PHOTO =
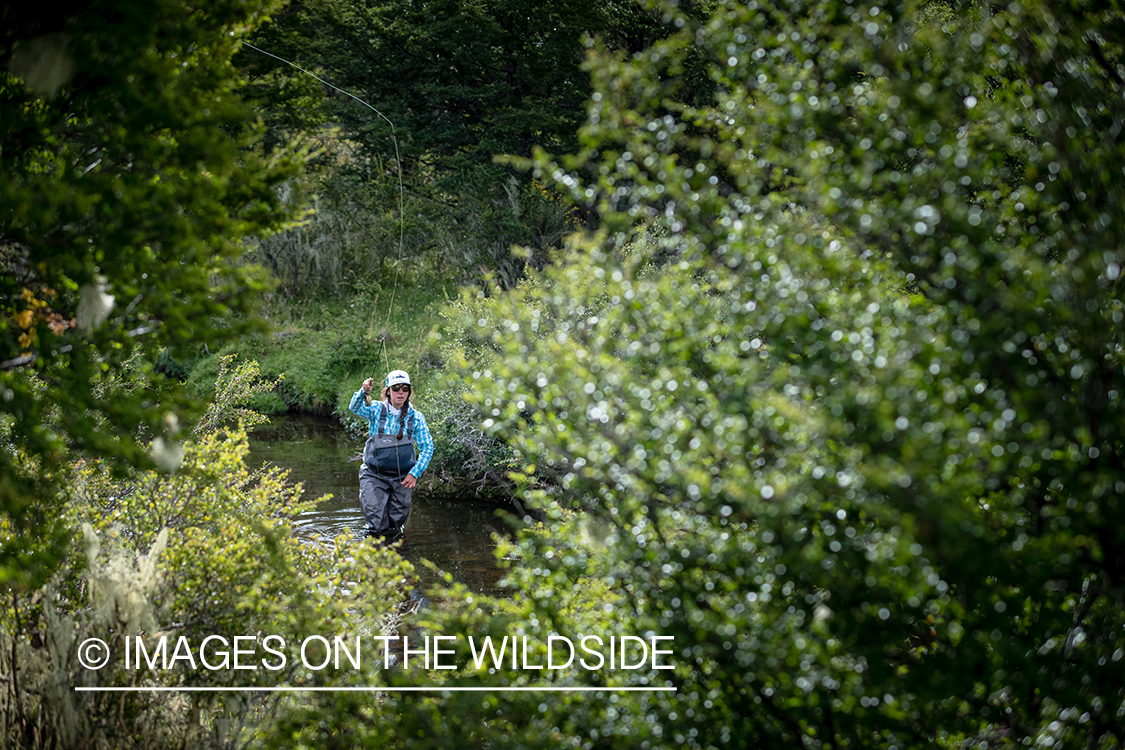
[(323, 349)]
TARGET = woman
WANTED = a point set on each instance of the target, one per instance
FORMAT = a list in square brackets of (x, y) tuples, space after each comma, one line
[(391, 467)]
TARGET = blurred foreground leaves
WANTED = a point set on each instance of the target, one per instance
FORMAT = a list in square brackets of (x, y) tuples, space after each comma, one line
[(838, 390), (197, 558), (131, 178)]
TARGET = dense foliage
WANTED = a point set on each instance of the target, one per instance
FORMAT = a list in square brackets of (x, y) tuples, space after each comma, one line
[(421, 104), (833, 399), (846, 421), (130, 179), (458, 82), (209, 551)]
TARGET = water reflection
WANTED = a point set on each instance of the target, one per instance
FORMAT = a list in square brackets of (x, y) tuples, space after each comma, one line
[(456, 535)]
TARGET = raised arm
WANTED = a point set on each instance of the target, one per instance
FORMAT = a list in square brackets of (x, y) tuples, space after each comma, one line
[(359, 405)]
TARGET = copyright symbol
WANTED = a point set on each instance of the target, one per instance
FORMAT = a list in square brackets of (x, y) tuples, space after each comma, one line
[(93, 653)]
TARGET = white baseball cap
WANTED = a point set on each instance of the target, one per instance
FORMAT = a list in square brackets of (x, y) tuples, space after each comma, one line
[(395, 377)]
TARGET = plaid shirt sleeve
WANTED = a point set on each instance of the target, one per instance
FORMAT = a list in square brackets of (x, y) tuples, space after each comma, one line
[(425, 443), (361, 409)]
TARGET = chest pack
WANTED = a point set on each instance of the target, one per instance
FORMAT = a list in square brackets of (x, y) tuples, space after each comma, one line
[(386, 454)]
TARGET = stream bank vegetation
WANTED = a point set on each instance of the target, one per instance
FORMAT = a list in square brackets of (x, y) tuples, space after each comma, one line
[(201, 546), (831, 393), (850, 430)]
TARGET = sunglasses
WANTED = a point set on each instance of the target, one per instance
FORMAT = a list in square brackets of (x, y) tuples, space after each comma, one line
[(400, 388)]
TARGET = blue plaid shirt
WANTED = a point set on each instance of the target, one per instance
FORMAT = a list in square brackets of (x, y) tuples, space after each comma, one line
[(422, 435)]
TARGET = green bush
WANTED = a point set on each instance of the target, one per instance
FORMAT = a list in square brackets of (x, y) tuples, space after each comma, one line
[(851, 432), (133, 177), (209, 549)]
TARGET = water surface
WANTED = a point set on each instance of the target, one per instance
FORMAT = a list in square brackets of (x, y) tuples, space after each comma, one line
[(319, 452)]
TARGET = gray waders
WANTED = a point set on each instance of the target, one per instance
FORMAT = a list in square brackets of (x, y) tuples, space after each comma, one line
[(386, 460)]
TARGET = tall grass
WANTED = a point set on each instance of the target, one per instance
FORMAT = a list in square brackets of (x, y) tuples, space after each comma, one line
[(323, 348)]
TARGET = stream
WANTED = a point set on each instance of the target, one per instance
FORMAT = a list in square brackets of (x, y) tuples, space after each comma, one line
[(318, 451)]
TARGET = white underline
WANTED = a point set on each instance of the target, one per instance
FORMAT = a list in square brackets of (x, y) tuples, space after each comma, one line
[(366, 689)]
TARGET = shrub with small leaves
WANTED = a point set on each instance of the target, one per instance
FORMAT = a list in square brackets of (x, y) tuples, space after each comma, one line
[(209, 550), (852, 433), (236, 386)]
